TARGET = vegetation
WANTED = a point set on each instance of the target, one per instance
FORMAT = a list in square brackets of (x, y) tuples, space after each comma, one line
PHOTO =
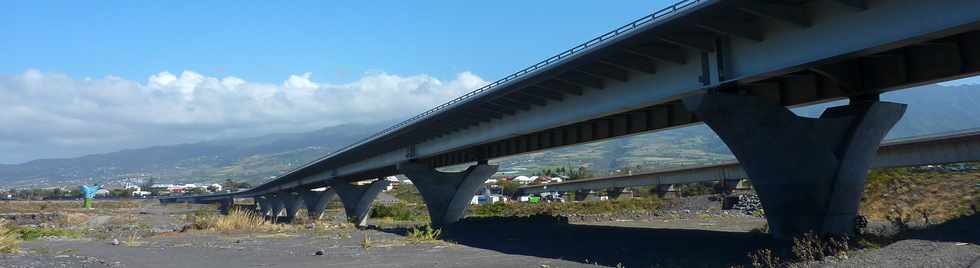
[(230, 185), (576, 208), (423, 235), (397, 211), (33, 233), (805, 248), (62, 206), (509, 188), (9, 238), (407, 194), (696, 189), (906, 196), (568, 172), (237, 220)]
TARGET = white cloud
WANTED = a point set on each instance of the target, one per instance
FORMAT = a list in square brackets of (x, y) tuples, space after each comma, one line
[(52, 115)]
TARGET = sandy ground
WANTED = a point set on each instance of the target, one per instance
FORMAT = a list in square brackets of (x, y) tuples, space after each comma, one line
[(696, 240)]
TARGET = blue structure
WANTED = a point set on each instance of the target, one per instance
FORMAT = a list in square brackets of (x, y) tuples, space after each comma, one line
[(89, 194)]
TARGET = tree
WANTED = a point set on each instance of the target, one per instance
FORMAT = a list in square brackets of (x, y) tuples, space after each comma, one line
[(233, 186), (509, 188), (147, 184)]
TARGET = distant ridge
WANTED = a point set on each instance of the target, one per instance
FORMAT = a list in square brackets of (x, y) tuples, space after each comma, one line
[(932, 108)]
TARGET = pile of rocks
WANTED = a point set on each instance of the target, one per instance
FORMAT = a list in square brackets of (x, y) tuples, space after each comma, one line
[(748, 203)]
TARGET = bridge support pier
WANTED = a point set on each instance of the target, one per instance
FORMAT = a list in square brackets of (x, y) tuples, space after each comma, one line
[(809, 172), (666, 190), (615, 192), (581, 195), (316, 202), (264, 205), (357, 199), (447, 194), (291, 203), (276, 207), (224, 205)]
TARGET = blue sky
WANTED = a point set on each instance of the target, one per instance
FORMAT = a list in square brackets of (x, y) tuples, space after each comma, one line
[(102, 76), (266, 41), (79, 77)]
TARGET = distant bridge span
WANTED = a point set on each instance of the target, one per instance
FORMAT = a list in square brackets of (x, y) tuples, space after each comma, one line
[(954, 147), (734, 65)]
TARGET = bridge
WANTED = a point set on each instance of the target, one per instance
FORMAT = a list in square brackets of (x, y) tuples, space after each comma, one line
[(733, 65), (943, 148)]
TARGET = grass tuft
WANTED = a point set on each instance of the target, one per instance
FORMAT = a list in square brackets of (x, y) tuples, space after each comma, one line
[(33, 233), (423, 235)]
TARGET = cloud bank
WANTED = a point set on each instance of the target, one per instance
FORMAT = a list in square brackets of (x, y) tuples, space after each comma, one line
[(45, 115)]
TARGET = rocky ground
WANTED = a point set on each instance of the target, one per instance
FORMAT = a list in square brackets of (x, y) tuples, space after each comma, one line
[(689, 232)]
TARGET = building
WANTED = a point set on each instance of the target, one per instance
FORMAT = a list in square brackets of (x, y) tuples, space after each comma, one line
[(523, 179)]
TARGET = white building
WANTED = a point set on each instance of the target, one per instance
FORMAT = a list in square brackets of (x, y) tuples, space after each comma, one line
[(486, 199), (523, 179)]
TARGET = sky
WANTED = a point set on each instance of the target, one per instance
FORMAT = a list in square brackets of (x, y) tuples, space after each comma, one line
[(79, 78)]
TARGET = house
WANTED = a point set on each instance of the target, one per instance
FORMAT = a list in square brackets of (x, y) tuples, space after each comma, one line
[(524, 179), (102, 192), (214, 187)]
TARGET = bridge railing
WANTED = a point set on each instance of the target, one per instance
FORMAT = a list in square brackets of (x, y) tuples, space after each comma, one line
[(652, 17)]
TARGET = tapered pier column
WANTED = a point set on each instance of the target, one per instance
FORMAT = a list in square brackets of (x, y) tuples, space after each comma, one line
[(291, 202), (615, 192), (581, 195), (265, 205), (224, 205), (809, 172), (316, 202), (447, 194), (276, 206), (357, 199)]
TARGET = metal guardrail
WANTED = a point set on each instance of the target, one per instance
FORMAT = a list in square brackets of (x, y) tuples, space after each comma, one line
[(629, 27)]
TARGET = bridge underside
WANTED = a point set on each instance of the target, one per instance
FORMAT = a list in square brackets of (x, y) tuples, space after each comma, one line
[(578, 103), (751, 56)]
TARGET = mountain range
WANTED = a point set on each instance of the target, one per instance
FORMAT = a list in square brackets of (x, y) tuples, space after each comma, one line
[(932, 109)]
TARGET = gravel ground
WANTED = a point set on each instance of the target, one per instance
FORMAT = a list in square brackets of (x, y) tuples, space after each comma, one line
[(911, 253), (691, 232)]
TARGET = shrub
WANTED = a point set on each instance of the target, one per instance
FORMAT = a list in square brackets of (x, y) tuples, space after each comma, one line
[(421, 235), (396, 211), (812, 247), (765, 258), (32, 233), (696, 189)]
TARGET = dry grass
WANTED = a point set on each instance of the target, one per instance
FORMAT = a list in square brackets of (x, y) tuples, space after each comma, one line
[(9, 238), (237, 220), (911, 197), (568, 208), (808, 247), (423, 235)]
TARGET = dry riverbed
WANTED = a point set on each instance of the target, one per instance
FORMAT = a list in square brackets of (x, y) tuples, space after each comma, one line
[(151, 235)]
